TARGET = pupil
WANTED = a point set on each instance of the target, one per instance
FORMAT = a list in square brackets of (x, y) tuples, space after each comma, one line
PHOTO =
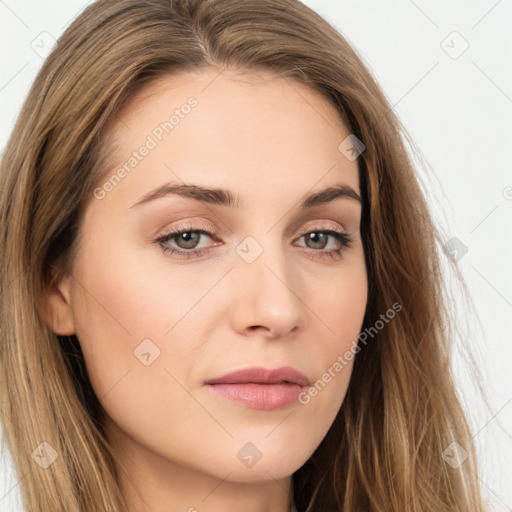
[(315, 235), (189, 238)]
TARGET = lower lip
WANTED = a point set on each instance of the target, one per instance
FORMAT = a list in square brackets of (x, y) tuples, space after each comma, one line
[(259, 396)]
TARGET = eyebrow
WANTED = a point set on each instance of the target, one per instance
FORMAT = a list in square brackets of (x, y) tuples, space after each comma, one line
[(224, 197)]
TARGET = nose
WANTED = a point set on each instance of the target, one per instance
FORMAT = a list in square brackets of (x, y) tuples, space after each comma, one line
[(266, 298)]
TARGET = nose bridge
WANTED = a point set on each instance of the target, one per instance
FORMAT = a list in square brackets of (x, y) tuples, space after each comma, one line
[(267, 292)]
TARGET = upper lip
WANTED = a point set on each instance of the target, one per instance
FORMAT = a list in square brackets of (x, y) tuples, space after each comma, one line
[(259, 375)]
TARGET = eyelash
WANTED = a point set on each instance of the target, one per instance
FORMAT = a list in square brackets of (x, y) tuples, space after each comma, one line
[(345, 240)]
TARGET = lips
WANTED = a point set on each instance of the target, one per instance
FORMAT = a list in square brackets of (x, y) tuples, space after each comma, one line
[(259, 375), (259, 388)]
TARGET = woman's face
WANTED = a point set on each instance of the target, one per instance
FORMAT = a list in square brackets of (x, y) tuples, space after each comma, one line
[(266, 287)]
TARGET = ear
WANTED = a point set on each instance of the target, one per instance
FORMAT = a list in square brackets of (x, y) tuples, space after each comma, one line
[(54, 306)]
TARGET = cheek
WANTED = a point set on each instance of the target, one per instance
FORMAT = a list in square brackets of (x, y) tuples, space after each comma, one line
[(133, 327), (122, 310), (341, 307)]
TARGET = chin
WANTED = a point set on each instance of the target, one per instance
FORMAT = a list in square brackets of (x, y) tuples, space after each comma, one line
[(261, 472), (260, 461)]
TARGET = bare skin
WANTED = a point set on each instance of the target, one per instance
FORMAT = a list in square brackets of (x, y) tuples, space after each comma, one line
[(272, 141)]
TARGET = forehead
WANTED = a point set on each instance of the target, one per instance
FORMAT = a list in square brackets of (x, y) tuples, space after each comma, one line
[(251, 99), (233, 85), (251, 129)]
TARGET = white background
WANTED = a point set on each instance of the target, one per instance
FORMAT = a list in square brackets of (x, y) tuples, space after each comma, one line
[(459, 113)]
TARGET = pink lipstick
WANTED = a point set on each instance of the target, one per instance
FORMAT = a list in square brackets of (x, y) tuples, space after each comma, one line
[(259, 388)]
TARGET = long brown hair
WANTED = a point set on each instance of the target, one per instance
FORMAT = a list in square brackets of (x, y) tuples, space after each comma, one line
[(401, 411)]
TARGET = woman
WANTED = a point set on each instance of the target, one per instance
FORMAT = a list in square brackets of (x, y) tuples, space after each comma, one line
[(222, 289)]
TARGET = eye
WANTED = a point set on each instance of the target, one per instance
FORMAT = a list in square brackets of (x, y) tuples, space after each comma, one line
[(320, 239), (186, 239)]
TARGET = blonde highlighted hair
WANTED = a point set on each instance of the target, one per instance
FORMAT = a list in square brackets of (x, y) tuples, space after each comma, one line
[(383, 451)]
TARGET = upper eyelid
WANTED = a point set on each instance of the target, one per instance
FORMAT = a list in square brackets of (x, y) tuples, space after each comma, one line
[(208, 225), (319, 225)]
